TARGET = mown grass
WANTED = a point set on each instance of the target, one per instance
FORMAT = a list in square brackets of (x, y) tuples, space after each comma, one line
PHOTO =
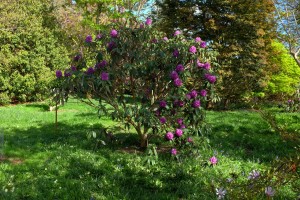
[(43, 162)]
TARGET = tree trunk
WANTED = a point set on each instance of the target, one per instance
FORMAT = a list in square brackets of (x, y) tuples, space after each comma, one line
[(144, 140), (295, 56)]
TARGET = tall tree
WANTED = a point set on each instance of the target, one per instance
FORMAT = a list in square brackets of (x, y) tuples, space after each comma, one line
[(239, 30), (288, 19)]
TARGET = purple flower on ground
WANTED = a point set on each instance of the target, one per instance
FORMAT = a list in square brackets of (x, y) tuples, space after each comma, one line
[(73, 68), (177, 33), (193, 94), (193, 49), (89, 39), (220, 193), (165, 39), (148, 21), (178, 132), (213, 160), (177, 82), (176, 53), (163, 120), (179, 68), (173, 151), (206, 66), (114, 33), (169, 136), (210, 78), (174, 75), (196, 104), (99, 36), (179, 121), (90, 70), (203, 44), (180, 103), (162, 104), (190, 140), (188, 96), (198, 39), (203, 93), (290, 101), (254, 174), (67, 73), (58, 74), (269, 191)]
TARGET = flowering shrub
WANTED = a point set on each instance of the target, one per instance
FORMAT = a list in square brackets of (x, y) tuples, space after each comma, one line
[(152, 83)]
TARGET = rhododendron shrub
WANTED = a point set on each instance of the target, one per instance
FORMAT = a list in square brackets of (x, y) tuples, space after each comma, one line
[(151, 83)]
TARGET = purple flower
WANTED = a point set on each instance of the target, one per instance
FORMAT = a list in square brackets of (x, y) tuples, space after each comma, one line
[(99, 36), (206, 66), (190, 140), (220, 193), (58, 74), (269, 191), (203, 44), (67, 73), (163, 120), (177, 82), (111, 45), (179, 121), (174, 75), (180, 103), (177, 33), (101, 64), (90, 70), (213, 160), (179, 68), (254, 174), (173, 151), (165, 39), (188, 96), (114, 33), (178, 132), (196, 104), (77, 57), (169, 136), (154, 41), (148, 21), (89, 39), (198, 39), (176, 53), (203, 93), (162, 104), (290, 101), (73, 68), (193, 94), (104, 76), (193, 49), (141, 26), (212, 79)]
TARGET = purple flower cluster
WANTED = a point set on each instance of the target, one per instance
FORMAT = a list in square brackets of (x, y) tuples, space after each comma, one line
[(99, 36), (174, 75), (179, 68), (148, 21), (163, 120), (58, 74), (254, 174), (104, 76), (169, 136), (111, 45), (193, 94), (90, 71), (77, 57), (178, 103), (176, 53), (73, 68), (67, 73), (203, 93), (177, 32), (198, 39), (196, 104), (177, 82), (203, 65), (89, 39), (210, 78), (213, 160), (203, 44), (173, 151), (193, 49), (178, 132), (101, 64), (114, 33), (165, 39), (163, 104)]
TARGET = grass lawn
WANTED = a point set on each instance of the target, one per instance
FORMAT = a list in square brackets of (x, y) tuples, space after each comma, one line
[(41, 162)]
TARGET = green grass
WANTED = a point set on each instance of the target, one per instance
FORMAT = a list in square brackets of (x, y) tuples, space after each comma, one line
[(42, 162)]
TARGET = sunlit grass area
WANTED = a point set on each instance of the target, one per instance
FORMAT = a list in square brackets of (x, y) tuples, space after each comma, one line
[(42, 161)]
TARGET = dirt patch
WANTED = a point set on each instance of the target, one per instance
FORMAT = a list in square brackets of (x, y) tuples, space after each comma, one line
[(14, 161)]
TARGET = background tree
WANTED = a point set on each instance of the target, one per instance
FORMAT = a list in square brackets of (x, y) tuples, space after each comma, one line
[(288, 16), (239, 30), (30, 49)]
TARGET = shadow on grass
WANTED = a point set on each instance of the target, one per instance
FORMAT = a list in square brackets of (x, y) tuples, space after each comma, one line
[(41, 106)]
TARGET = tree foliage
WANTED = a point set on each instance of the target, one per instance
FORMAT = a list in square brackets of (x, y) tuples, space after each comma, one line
[(239, 30), (30, 49)]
